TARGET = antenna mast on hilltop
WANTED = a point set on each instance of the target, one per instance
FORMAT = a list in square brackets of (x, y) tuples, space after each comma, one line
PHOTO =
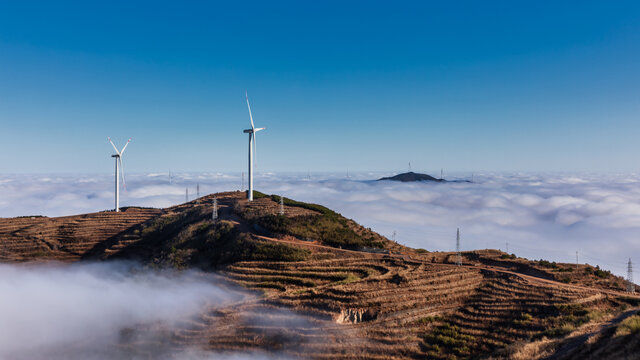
[(214, 215), (409, 166), (458, 256), (630, 286), (186, 195), (198, 194)]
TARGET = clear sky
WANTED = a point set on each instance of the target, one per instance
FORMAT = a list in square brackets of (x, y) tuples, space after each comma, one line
[(358, 85)]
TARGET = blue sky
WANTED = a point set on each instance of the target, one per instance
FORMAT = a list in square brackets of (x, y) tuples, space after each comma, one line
[(360, 85)]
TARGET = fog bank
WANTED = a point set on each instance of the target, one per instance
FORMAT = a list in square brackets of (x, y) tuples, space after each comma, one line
[(81, 311)]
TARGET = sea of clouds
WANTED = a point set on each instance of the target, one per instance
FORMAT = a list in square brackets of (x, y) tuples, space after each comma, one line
[(547, 216), (82, 311)]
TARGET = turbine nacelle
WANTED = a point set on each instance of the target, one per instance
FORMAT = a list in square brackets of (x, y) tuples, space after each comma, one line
[(250, 131)]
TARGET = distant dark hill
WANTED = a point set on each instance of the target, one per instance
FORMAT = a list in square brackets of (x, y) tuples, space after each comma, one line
[(411, 176)]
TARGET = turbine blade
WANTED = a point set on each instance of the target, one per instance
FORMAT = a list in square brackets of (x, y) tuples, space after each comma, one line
[(114, 146), (124, 184), (249, 106), (125, 146)]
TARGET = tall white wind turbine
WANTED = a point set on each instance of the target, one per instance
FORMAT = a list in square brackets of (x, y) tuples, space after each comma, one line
[(252, 147), (119, 169)]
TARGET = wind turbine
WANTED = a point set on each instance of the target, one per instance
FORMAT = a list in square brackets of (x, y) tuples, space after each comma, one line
[(252, 148), (119, 168)]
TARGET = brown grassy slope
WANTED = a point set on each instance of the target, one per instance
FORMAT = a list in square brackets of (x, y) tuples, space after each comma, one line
[(66, 238), (581, 275), (365, 296)]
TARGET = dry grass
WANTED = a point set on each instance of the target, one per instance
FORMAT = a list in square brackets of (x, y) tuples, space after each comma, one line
[(628, 326), (339, 304)]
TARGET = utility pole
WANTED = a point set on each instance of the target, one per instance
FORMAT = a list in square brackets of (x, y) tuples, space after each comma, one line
[(631, 288), (214, 215), (458, 256), (393, 236), (281, 206)]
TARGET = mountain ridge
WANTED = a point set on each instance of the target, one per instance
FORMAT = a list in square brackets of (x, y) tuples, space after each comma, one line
[(362, 295)]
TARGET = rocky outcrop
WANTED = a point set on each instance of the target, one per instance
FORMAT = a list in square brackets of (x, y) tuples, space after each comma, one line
[(354, 316)]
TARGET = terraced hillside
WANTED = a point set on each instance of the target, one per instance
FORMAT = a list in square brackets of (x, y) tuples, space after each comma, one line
[(66, 238), (327, 288)]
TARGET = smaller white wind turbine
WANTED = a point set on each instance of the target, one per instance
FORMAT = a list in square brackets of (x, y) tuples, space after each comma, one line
[(119, 169), (252, 148)]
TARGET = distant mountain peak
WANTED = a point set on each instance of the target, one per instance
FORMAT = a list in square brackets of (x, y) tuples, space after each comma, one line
[(412, 176)]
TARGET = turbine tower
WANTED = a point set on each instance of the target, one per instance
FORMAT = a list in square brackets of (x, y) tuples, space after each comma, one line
[(119, 169), (252, 148)]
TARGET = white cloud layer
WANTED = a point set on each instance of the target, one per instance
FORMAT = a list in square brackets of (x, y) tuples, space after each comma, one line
[(540, 215), (79, 311)]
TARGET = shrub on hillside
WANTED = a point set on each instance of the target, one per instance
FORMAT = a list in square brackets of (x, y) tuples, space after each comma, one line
[(630, 325), (601, 273), (547, 264)]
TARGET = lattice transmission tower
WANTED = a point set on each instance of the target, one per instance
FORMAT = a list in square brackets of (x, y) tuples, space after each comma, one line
[(458, 255), (630, 285), (214, 215), (281, 212)]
